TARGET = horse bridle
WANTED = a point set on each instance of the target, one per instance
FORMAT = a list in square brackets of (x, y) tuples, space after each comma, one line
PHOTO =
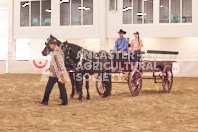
[(68, 58)]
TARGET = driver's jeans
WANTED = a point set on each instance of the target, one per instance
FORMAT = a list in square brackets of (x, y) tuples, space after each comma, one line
[(133, 56)]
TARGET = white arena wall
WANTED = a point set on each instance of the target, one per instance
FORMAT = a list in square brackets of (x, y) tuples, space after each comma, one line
[(182, 37), (2, 67), (36, 47), (187, 47), (3, 36)]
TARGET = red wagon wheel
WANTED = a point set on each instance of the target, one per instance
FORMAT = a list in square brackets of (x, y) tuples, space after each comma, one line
[(100, 86), (135, 83), (167, 78)]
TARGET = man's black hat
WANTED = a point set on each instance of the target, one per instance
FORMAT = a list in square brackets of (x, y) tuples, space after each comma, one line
[(121, 31)]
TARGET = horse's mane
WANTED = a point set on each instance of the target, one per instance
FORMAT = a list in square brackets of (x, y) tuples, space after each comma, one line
[(75, 48)]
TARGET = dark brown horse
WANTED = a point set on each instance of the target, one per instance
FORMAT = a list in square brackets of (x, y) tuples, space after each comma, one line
[(69, 65), (84, 63)]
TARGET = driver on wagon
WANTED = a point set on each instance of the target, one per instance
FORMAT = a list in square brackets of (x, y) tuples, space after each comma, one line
[(121, 43)]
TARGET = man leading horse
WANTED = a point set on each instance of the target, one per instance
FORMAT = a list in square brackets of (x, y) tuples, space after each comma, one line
[(57, 68)]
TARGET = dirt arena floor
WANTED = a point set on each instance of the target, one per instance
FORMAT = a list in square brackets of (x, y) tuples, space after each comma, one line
[(152, 110)]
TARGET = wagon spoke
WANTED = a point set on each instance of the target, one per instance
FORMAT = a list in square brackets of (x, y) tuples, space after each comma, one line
[(135, 84), (167, 78), (100, 86)]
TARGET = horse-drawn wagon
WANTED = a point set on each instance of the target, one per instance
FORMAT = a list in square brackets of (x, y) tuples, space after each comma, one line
[(81, 63), (156, 63)]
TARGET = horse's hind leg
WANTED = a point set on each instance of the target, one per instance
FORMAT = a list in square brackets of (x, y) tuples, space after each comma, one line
[(103, 77), (71, 76), (87, 86), (107, 82)]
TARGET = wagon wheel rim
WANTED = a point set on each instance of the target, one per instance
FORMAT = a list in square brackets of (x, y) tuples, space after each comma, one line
[(168, 79), (136, 82), (101, 86)]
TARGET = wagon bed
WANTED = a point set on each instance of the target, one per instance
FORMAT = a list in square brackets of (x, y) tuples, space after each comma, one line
[(162, 66)]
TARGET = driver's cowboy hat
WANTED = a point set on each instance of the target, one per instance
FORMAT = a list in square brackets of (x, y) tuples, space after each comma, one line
[(121, 31)]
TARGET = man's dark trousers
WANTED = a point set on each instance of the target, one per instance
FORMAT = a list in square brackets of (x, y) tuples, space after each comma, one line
[(50, 85)]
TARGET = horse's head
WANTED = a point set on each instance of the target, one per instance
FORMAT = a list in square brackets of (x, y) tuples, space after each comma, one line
[(70, 56), (66, 48), (70, 51), (47, 48)]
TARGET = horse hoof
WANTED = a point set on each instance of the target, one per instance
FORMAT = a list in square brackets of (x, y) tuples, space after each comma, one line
[(59, 98), (105, 97), (79, 100), (88, 99)]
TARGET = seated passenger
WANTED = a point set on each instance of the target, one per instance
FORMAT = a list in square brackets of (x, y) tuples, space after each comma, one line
[(121, 43), (136, 45)]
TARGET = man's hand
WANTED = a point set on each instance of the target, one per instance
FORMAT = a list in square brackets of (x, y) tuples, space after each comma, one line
[(119, 51), (60, 73), (132, 50), (47, 69)]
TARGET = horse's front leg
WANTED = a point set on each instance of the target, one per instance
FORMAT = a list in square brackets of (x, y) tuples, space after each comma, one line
[(71, 76), (79, 84), (87, 87)]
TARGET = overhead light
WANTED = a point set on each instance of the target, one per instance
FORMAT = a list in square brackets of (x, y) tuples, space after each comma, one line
[(64, 1), (25, 4), (130, 8), (141, 14), (124, 10), (161, 6), (80, 8), (83, 8), (48, 10), (145, 0), (87, 8), (127, 8)]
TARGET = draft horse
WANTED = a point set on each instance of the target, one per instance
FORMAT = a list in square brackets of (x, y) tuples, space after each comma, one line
[(69, 66), (77, 59)]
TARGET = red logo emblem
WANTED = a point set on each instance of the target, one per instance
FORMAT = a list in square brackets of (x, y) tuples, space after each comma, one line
[(40, 65)]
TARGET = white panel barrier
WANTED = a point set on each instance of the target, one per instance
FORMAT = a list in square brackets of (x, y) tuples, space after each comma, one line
[(22, 49)]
